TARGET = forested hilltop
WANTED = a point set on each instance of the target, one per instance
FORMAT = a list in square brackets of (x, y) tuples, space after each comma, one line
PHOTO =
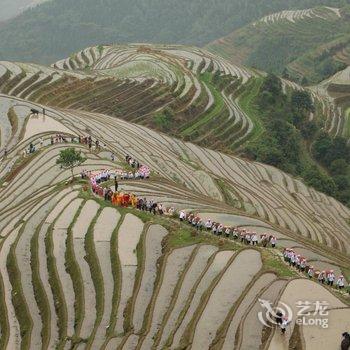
[(57, 28), (306, 46)]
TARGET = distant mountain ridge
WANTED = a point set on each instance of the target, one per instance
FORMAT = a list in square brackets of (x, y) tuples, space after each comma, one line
[(55, 29), (12, 8), (306, 46)]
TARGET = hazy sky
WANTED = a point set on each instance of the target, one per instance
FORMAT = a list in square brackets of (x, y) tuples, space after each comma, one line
[(11, 8)]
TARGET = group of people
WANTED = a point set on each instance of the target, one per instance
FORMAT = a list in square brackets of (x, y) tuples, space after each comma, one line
[(117, 197), (219, 229), (141, 172), (132, 162), (126, 199), (59, 138), (97, 178), (324, 277), (84, 140), (87, 140)]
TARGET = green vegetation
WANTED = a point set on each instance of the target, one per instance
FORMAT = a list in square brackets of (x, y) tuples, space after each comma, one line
[(215, 109), (72, 267), (18, 299), (272, 262), (293, 143), (247, 102), (307, 50), (164, 120), (346, 132), (69, 158), (116, 276), (3, 320), (56, 287), (334, 155), (39, 290), (96, 273), (56, 28)]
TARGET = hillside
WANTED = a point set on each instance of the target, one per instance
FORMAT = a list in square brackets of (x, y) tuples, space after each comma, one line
[(189, 93), (306, 46), (103, 276), (12, 8), (59, 27)]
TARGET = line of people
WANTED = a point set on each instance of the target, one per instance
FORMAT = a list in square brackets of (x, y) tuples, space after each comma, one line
[(125, 199), (218, 229), (301, 264), (97, 178)]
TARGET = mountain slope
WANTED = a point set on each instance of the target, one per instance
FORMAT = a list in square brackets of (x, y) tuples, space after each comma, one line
[(192, 94), (11, 8), (57, 28), (306, 46), (78, 271)]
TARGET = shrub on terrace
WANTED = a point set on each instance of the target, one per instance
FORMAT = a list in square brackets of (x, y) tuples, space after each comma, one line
[(69, 158)]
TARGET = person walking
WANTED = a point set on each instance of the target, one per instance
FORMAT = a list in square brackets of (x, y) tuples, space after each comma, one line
[(330, 278), (182, 215), (340, 282), (208, 225), (321, 277), (284, 324), (199, 225), (254, 238), (311, 272)]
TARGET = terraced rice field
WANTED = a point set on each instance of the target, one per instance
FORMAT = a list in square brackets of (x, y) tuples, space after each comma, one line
[(181, 90), (140, 83), (312, 34), (335, 92), (77, 273), (296, 15)]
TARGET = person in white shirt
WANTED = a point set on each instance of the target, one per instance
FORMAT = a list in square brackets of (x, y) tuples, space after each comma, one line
[(330, 278), (254, 239), (273, 241), (208, 225), (321, 277), (340, 282), (182, 215), (311, 272), (292, 259), (220, 229)]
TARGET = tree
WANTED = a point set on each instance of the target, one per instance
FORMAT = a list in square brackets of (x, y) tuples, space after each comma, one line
[(319, 180), (321, 146), (69, 158), (302, 102), (339, 167)]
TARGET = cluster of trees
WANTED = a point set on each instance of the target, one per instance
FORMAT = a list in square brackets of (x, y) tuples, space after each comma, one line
[(57, 28), (293, 143), (334, 155)]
